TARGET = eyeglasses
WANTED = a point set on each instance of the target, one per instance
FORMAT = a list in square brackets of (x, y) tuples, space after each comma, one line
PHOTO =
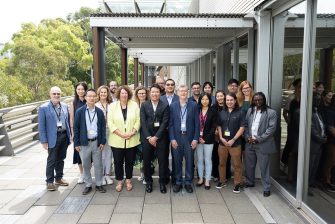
[(56, 94), (170, 84), (246, 88), (141, 93)]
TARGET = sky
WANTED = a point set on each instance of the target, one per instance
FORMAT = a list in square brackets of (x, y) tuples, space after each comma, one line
[(15, 12)]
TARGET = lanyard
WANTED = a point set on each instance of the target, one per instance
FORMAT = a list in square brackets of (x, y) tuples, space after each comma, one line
[(89, 116), (182, 114), (59, 111), (228, 121), (105, 109), (203, 119)]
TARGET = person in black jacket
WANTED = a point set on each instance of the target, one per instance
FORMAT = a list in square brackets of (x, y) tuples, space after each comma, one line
[(154, 136), (207, 118)]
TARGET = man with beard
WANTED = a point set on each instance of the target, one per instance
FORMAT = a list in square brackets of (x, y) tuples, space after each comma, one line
[(113, 87), (195, 88), (161, 82)]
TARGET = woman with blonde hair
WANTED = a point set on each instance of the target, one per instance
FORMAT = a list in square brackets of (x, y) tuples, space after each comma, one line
[(104, 101), (124, 123), (244, 95)]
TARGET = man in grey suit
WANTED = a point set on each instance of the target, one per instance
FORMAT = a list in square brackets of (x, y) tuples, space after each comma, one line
[(260, 126)]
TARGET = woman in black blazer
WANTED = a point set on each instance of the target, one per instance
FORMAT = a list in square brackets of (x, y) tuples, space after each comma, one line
[(207, 118)]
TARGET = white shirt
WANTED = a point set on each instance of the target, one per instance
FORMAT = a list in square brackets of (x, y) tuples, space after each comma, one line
[(255, 122)]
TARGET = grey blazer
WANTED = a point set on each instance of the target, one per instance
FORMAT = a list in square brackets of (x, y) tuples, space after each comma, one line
[(266, 130)]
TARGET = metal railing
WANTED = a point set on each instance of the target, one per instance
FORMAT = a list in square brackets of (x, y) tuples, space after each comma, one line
[(19, 124)]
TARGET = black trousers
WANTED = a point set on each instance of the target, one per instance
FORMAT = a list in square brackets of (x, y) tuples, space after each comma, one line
[(124, 156), (56, 156), (162, 153)]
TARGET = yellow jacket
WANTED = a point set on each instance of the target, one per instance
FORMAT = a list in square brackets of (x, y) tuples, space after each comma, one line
[(115, 121)]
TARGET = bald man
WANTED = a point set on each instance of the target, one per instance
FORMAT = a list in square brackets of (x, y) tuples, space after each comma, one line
[(54, 133), (161, 82)]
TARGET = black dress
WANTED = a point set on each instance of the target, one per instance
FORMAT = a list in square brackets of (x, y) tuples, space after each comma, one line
[(76, 106)]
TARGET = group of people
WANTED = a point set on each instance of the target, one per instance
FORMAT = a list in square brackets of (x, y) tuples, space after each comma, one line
[(111, 125)]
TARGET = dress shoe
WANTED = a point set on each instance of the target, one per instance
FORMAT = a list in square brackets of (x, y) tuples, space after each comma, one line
[(188, 188), (101, 189), (177, 188), (162, 188), (249, 185), (51, 187), (61, 182), (148, 187), (199, 184), (87, 190), (266, 193), (207, 187)]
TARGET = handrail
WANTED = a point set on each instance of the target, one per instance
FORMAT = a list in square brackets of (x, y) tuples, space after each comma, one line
[(18, 125)]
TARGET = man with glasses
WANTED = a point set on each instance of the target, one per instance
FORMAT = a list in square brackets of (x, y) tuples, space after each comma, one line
[(113, 87), (196, 89), (55, 135), (233, 86), (161, 82)]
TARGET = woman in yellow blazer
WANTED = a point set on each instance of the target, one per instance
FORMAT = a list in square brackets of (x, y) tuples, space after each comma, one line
[(124, 124)]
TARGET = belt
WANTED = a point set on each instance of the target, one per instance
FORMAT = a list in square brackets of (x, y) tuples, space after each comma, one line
[(92, 139), (183, 132), (61, 131)]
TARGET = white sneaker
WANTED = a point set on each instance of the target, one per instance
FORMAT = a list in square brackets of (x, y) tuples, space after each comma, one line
[(109, 180), (81, 180), (103, 181), (144, 182)]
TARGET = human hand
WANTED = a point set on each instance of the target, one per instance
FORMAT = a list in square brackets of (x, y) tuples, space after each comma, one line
[(174, 144), (45, 146), (194, 144)]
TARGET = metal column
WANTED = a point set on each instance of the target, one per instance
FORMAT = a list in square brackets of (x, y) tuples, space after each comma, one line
[(251, 56), (135, 72), (236, 59), (124, 66), (219, 69), (99, 72)]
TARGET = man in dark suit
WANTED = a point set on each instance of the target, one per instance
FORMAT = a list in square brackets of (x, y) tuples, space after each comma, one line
[(89, 140), (54, 133), (184, 135), (154, 138)]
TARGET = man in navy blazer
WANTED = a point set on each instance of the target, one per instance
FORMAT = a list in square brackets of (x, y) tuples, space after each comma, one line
[(184, 135), (55, 135), (89, 140)]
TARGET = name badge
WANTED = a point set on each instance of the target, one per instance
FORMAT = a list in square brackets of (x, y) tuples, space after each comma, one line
[(201, 133), (183, 125), (92, 132), (59, 124), (227, 133), (156, 124)]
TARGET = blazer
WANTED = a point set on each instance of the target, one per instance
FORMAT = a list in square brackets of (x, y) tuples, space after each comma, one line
[(174, 99), (192, 121), (148, 117), (80, 129), (115, 121), (210, 126), (266, 130), (47, 123), (316, 133)]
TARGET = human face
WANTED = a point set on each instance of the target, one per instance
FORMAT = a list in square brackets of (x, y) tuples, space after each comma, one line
[(258, 101), (182, 93), (90, 98), (232, 88), (142, 95), (103, 94), (328, 97), (161, 82), (230, 102), (154, 94), (246, 90), (80, 91), (55, 95), (113, 87), (169, 86), (320, 89), (196, 90), (123, 95), (205, 101), (220, 98), (208, 89)]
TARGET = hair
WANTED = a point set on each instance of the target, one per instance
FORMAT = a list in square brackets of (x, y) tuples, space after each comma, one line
[(236, 106), (170, 80), (125, 87), (240, 95), (219, 91), (113, 81), (136, 99), (202, 96), (90, 90), (83, 84), (155, 85), (109, 97), (195, 84), (207, 83), (231, 81), (296, 82), (317, 84), (182, 86), (264, 106)]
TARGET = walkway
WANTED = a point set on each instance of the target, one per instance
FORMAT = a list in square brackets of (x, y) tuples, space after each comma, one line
[(24, 199)]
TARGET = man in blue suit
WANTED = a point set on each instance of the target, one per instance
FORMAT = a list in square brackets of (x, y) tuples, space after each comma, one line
[(54, 133), (184, 135)]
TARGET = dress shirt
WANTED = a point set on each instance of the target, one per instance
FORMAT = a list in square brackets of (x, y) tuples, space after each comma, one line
[(183, 117), (91, 123), (255, 124), (58, 113)]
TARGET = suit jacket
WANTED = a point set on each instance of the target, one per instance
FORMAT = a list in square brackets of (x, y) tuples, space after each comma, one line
[(80, 130), (148, 117), (266, 129), (174, 99), (47, 123), (192, 122), (210, 126), (316, 134)]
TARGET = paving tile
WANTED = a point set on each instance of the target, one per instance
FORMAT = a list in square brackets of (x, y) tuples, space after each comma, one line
[(156, 213), (97, 214), (129, 205), (53, 197), (73, 205), (13, 173), (37, 214), (188, 203), (64, 218), (107, 198), (217, 213), (130, 218), (209, 196), (9, 219), (18, 206), (248, 219), (156, 197), (241, 207), (7, 195), (187, 218), (137, 191)]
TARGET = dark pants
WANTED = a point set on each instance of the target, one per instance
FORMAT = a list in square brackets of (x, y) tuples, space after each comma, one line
[(124, 156), (183, 150), (215, 161), (314, 160), (56, 156), (162, 153)]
